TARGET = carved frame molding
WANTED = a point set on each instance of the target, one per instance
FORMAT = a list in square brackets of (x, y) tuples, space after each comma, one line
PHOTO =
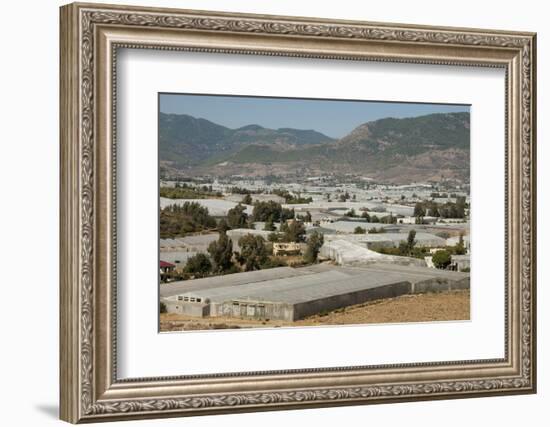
[(90, 37)]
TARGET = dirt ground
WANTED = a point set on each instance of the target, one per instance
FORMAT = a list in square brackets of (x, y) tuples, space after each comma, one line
[(452, 305)]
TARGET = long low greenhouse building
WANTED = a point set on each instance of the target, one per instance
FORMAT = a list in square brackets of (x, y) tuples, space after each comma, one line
[(290, 294)]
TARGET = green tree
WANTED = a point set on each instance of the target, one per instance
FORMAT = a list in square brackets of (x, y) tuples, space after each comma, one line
[(253, 252), (237, 217), (269, 209), (403, 248), (293, 231), (344, 197), (441, 259), (247, 200), (375, 230), (389, 219), (223, 226), (287, 214), (359, 230), (221, 252), (314, 243), (366, 216), (433, 211), (460, 249), (198, 265), (307, 218), (269, 226), (176, 220), (410, 239), (411, 242), (274, 237), (419, 210)]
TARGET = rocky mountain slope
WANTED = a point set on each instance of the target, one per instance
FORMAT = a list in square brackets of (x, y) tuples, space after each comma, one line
[(398, 150)]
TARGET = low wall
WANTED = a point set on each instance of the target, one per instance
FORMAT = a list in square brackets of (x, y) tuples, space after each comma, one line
[(309, 308), (439, 285), (388, 259)]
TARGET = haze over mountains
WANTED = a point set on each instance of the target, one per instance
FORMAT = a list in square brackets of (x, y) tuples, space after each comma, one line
[(424, 148)]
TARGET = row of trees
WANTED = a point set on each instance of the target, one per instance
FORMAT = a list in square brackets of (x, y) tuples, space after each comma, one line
[(406, 247), (287, 195), (186, 191), (268, 212), (291, 198), (176, 220), (370, 217), (271, 211), (441, 258), (254, 255), (436, 195), (444, 210)]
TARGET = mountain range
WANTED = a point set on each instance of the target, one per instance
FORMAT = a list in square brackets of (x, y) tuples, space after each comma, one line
[(425, 148)]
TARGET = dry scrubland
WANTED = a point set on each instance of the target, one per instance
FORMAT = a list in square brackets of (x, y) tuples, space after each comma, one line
[(443, 306)]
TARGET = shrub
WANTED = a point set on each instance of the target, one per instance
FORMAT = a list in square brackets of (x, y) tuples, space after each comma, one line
[(273, 262), (198, 265), (221, 252), (237, 217), (460, 249), (441, 259), (314, 243), (253, 252)]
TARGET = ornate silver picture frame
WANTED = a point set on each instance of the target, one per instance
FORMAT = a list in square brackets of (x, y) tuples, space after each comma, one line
[(91, 36)]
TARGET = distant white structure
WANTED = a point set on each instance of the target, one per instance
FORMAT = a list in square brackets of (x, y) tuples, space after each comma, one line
[(460, 262), (350, 226), (412, 220), (388, 240), (429, 261), (345, 252), (379, 209)]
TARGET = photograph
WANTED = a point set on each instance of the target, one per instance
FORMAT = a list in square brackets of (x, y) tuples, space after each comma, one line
[(296, 212), (269, 209)]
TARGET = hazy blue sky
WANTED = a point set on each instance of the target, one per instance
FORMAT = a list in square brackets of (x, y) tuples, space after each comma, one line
[(333, 118)]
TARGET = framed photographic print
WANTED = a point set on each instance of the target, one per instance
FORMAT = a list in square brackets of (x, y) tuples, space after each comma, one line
[(266, 212)]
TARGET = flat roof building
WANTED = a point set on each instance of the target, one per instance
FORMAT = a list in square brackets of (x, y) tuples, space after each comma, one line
[(294, 293)]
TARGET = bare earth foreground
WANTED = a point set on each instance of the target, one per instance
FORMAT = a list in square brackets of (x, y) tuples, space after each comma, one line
[(443, 306)]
